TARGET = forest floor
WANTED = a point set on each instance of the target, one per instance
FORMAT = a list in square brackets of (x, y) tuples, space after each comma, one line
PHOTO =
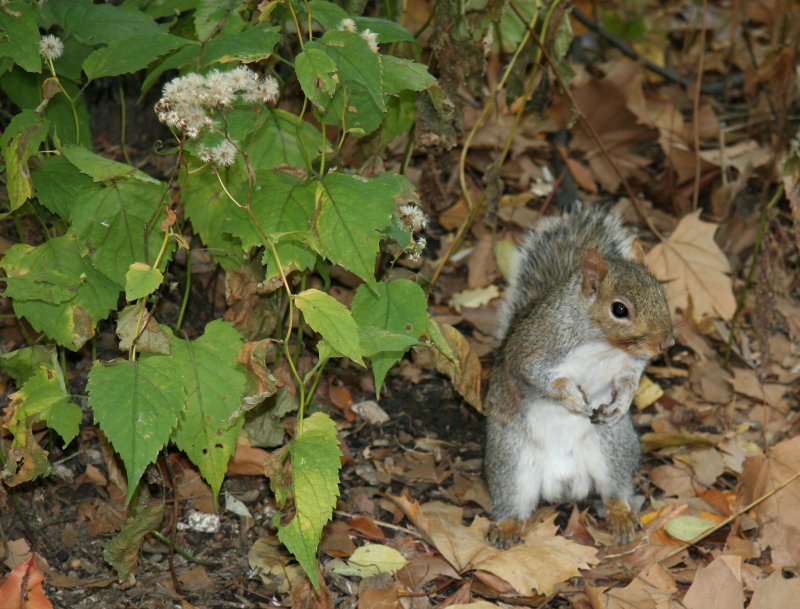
[(719, 420)]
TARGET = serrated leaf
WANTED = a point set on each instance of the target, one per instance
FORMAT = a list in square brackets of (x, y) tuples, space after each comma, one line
[(150, 339), (213, 384), (403, 74), (122, 552), (112, 225), (316, 462), (376, 340), (371, 559), (283, 138), (353, 212), (57, 290), (359, 98), (101, 169), (316, 73), (100, 23), (127, 55), (243, 47), (56, 182), (399, 307), (141, 280), (137, 405), (332, 320), (330, 15), (43, 397), (19, 142), (20, 35)]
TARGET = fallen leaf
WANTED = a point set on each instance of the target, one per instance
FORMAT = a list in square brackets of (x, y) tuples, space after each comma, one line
[(12, 594), (475, 297), (775, 591), (695, 270), (465, 373), (717, 586), (370, 559)]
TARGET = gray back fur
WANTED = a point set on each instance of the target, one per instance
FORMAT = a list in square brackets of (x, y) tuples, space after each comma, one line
[(552, 252)]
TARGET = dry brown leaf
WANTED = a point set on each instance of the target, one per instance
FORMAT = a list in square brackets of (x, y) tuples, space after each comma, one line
[(674, 480), (775, 591), (543, 561), (746, 382), (717, 586), (466, 372), (653, 589), (779, 516), (695, 270)]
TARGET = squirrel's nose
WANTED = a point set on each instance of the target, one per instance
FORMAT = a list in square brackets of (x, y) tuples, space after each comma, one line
[(667, 343)]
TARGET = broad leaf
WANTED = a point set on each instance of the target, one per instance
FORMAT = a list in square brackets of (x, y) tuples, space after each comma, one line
[(243, 47), (99, 23), (57, 290), (399, 307), (127, 55), (332, 320), (403, 74), (19, 35), (19, 142), (141, 280), (316, 462), (119, 225), (101, 169), (122, 552), (317, 74), (282, 138), (137, 405), (57, 182), (353, 213), (213, 384)]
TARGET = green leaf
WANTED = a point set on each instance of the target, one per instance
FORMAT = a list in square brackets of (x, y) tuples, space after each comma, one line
[(375, 340), (687, 528), (359, 97), (282, 138), (137, 405), (122, 552), (112, 225), (403, 74), (399, 307), (129, 54), (371, 559), (352, 214), (317, 74), (95, 24), (209, 210), (242, 47), (184, 56), (141, 280), (150, 339), (22, 364), (213, 384), (57, 290), (330, 15), (101, 169), (332, 320), (19, 142), (56, 182), (19, 35), (316, 460), (43, 397)]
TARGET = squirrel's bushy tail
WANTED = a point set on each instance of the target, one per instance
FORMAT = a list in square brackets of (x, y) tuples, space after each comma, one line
[(552, 252)]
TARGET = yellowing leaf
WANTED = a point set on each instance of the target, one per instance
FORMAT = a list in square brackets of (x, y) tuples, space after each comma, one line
[(371, 559), (686, 528), (474, 298), (647, 393), (695, 270)]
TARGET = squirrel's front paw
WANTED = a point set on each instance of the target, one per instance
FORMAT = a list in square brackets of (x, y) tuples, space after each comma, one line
[(622, 390), (572, 395), (504, 534)]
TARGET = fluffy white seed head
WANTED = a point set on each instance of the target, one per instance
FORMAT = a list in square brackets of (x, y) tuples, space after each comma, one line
[(412, 217), (223, 154), (347, 25), (372, 40), (51, 47)]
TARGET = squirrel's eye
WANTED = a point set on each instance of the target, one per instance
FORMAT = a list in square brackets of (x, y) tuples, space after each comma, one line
[(619, 310)]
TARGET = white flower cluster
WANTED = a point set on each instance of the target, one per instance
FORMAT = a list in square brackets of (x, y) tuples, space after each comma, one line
[(187, 101), (223, 154), (51, 47), (348, 25), (414, 219)]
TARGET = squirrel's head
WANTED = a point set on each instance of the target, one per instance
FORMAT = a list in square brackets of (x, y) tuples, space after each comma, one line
[(627, 303)]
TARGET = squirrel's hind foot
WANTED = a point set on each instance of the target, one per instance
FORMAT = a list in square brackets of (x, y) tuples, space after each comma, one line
[(622, 521), (505, 534)]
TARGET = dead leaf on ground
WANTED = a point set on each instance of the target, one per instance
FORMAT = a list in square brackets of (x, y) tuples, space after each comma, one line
[(717, 585)]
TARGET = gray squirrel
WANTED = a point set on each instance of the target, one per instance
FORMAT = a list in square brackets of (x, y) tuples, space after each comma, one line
[(581, 318)]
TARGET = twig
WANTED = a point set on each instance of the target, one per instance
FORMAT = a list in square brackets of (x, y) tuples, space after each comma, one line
[(185, 553), (762, 223), (696, 108), (753, 504), (590, 128)]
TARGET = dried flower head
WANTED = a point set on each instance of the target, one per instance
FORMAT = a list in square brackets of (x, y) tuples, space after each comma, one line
[(347, 25), (372, 40), (412, 217), (223, 154), (187, 102), (51, 47)]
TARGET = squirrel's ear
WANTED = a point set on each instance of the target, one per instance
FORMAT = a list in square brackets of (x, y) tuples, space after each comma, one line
[(638, 251), (594, 270)]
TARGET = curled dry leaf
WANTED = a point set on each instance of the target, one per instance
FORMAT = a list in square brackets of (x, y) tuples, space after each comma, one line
[(465, 372), (695, 270)]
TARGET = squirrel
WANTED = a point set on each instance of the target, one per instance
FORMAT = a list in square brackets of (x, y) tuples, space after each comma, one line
[(581, 318)]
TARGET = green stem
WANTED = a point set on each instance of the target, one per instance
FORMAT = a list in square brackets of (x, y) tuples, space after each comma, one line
[(123, 114), (186, 290)]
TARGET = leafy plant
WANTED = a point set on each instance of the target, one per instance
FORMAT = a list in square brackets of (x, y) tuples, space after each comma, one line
[(258, 184)]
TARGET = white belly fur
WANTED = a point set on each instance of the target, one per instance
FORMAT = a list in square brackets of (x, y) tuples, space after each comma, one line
[(563, 458)]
